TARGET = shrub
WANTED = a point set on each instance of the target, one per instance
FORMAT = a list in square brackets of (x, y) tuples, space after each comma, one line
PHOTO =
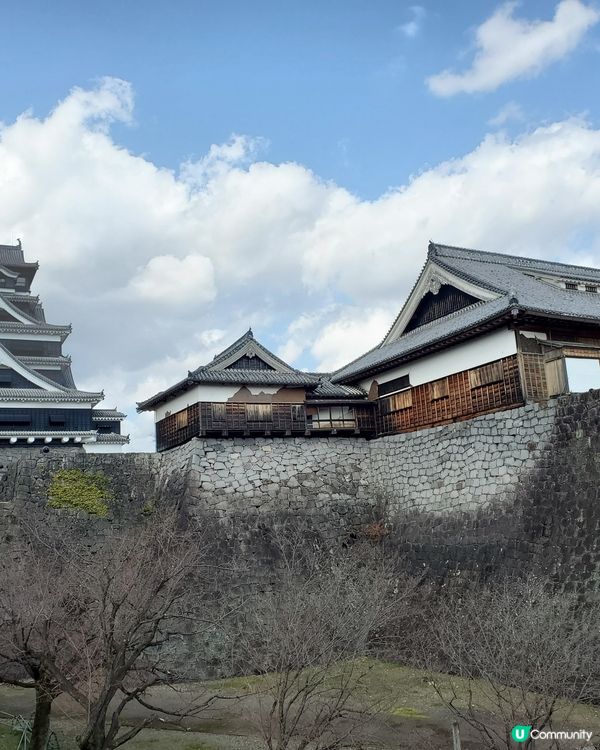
[(79, 490)]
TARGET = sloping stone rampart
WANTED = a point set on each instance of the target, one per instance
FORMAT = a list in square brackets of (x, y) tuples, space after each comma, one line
[(518, 488)]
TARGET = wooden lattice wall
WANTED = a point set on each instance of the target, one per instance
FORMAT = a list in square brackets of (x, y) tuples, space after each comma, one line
[(465, 394)]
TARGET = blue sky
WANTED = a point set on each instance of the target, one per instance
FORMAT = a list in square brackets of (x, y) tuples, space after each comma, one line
[(337, 86), (183, 169)]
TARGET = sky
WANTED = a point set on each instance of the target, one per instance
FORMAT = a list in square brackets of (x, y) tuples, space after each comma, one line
[(182, 170)]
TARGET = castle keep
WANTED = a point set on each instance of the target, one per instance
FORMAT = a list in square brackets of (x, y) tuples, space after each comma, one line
[(39, 402)]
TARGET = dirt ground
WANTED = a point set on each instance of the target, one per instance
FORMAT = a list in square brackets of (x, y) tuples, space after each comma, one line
[(415, 718)]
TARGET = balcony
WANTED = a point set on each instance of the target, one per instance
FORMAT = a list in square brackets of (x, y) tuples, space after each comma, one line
[(278, 419)]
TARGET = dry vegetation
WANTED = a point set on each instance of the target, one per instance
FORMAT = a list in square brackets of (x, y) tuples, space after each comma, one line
[(90, 629)]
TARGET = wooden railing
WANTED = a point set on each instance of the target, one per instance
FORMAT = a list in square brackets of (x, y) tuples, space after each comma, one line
[(224, 419)]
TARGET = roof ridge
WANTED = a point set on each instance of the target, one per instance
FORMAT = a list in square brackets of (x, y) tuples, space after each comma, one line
[(518, 258), (13, 308), (470, 277), (443, 318), (238, 345), (418, 330), (31, 371), (414, 286), (247, 336), (433, 258), (492, 316)]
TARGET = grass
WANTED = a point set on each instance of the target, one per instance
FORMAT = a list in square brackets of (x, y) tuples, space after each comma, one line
[(407, 694), (9, 739), (406, 712)]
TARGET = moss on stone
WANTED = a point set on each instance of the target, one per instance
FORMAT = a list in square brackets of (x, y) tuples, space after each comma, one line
[(80, 490)]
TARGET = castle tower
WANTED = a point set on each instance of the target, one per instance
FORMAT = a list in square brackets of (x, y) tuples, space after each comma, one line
[(39, 402)]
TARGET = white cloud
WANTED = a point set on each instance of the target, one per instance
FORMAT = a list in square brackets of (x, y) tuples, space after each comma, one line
[(316, 271), (511, 111), (241, 149), (412, 27), (509, 47), (353, 333), (176, 281)]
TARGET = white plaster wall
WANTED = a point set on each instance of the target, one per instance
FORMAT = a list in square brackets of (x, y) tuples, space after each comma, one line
[(102, 448), (487, 348), (29, 335), (534, 335)]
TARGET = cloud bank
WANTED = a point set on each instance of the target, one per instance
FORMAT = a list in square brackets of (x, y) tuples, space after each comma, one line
[(157, 270), (509, 47)]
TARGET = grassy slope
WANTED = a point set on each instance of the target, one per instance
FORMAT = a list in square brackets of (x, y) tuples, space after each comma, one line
[(410, 698)]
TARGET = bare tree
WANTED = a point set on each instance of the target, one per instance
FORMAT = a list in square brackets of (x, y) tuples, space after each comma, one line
[(37, 611), (94, 618), (513, 650), (309, 637), (146, 587)]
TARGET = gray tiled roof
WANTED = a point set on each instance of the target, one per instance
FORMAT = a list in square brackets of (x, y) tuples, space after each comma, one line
[(47, 433), (216, 372), (412, 343), (512, 278), (8, 300), (112, 437), (107, 414), (515, 276), (7, 326), (254, 377), (11, 255), (30, 369), (19, 296), (34, 361), (327, 389), (528, 265), (239, 345), (38, 394)]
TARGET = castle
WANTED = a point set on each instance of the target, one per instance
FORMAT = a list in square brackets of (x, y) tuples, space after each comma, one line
[(39, 402), (480, 332)]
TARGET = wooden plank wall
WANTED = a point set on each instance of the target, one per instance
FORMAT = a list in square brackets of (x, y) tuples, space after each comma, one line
[(483, 389)]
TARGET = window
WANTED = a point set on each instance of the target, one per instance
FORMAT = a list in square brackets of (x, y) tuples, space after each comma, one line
[(591, 288), (392, 386), (486, 375), (402, 400), (439, 389), (218, 412), (259, 413), (21, 419), (331, 418), (181, 419), (297, 413), (571, 285), (56, 420)]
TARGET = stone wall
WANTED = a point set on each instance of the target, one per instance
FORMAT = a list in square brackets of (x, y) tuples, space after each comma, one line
[(511, 490), (266, 475), (463, 466)]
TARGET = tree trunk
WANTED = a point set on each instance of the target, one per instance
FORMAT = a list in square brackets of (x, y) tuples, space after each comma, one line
[(41, 719), (95, 739)]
